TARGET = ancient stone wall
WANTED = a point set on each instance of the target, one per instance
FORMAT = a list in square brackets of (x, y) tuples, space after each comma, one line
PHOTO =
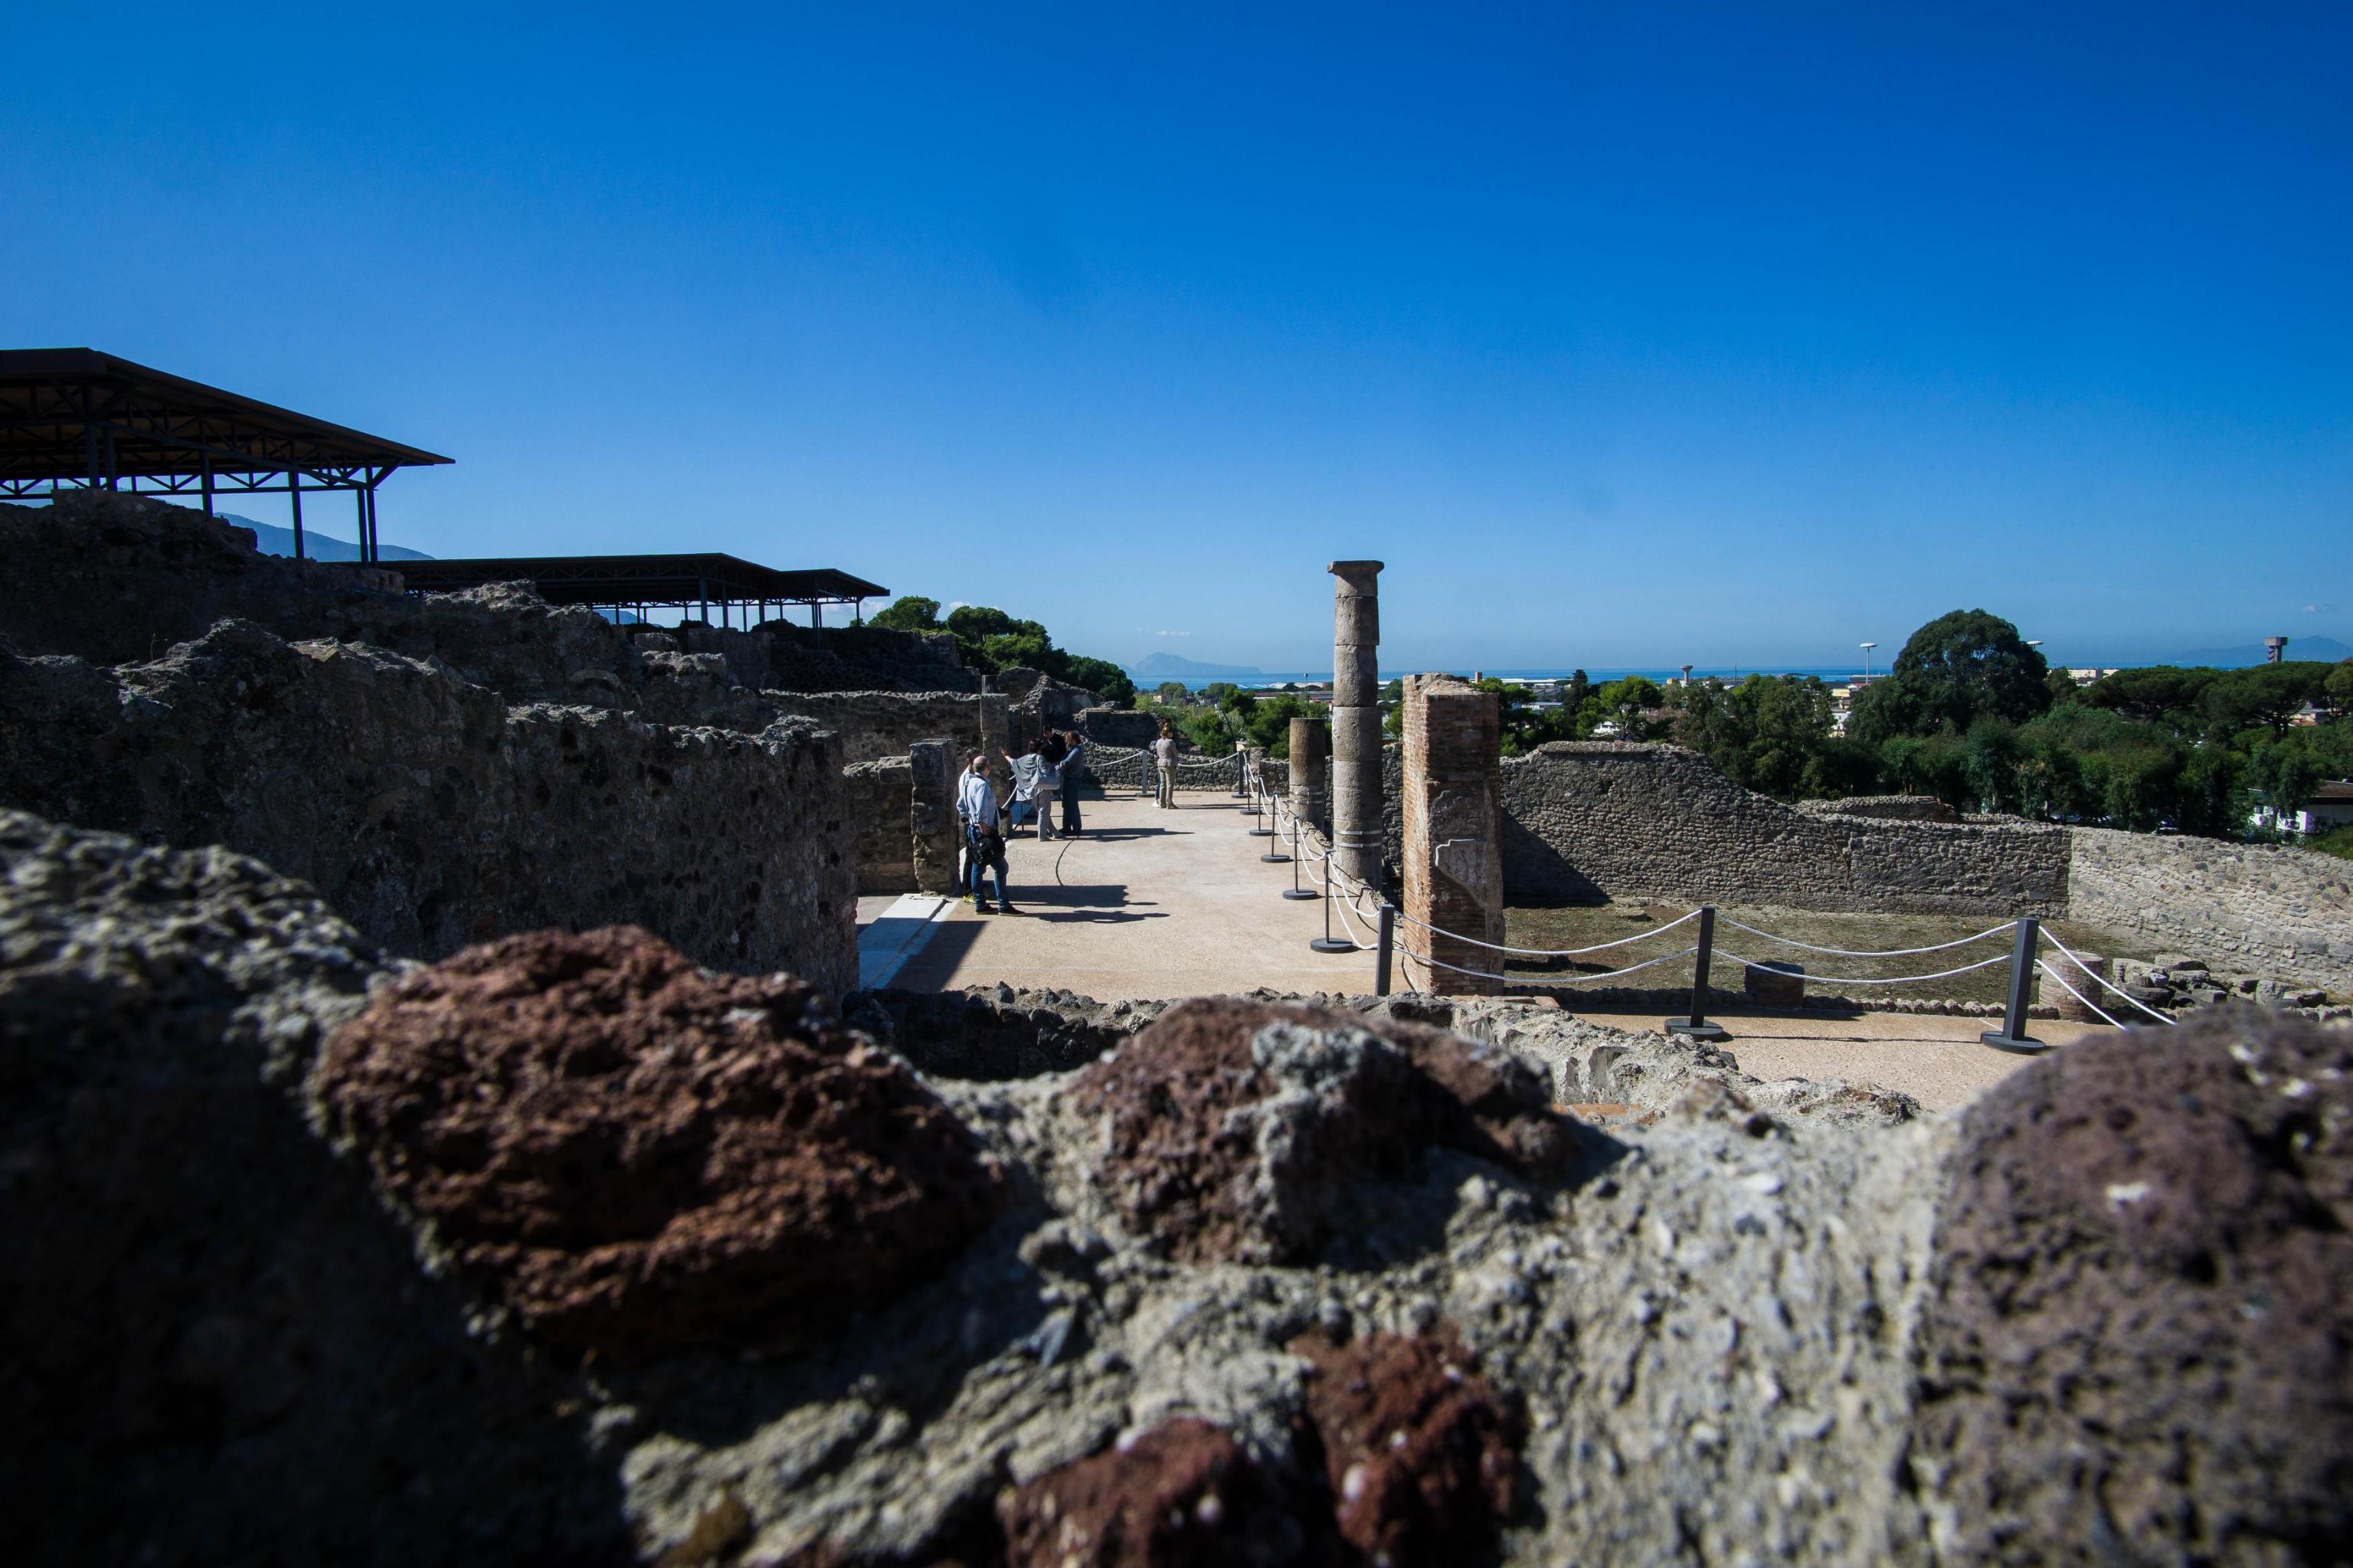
[(935, 838), (1587, 819), (1120, 727), (881, 806), (2286, 913), (432, 814), (1452, 859), (876, 724), (1894, 808)]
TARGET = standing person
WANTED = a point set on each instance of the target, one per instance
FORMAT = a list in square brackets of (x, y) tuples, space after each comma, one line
[(1073, 756), (1049, 783), (984, 833), (1164, 762)]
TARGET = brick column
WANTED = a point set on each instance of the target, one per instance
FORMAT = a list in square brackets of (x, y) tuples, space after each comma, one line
[(1356, 719), (931, 814), (1453, 833), (1311, 772)]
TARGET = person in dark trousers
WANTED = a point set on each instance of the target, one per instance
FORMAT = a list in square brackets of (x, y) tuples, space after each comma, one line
[(1073, 754), (984, 833)]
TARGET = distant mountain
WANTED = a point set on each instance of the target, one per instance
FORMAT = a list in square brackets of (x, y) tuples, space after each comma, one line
[(1170, 667), (2326, 650), (272, 540)]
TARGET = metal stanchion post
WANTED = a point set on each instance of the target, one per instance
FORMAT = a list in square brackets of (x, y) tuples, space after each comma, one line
[(1389, 947), (1274, 855), (2012, 1034), (1296, 891), (1328, 943), (1697, 1026), (1258, 803)]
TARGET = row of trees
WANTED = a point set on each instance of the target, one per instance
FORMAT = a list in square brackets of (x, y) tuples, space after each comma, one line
[(989, 641), (1972, 713)]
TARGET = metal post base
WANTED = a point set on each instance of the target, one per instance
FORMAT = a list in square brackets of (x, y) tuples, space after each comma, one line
[(2023, 1045), (1301, 892), (1332, 944), (1261, 832), (1276, 859), (1700, 1031)]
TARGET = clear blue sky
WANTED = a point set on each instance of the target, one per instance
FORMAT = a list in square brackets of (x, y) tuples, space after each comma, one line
[(1626, 335)]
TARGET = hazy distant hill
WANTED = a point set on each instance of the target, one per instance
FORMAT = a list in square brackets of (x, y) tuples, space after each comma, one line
[(2326, 649), (272, 540), (1169, 667)]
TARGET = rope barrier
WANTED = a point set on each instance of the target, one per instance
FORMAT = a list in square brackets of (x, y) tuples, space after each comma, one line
[(1868, 980), (1551, 952), (2001, 930), (2104, 980), (1566, 980), (2078, 995)]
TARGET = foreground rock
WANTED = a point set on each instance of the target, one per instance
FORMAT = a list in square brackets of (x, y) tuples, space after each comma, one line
[(638, 1155), (2139, 1337), (1760, 1331)]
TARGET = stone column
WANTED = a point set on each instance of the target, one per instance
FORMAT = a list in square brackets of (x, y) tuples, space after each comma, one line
[(1356, 719), (1453, 857), (931, 814), (1311, 772)]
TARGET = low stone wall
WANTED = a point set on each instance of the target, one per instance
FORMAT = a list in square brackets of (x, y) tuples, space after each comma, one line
[(1588, 820), (881, 803), (2284, 913), (432, 814)]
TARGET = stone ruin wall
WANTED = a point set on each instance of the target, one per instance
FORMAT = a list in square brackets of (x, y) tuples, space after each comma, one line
[(1587, 819), (881, 801), (2286, 913), (433, 814)]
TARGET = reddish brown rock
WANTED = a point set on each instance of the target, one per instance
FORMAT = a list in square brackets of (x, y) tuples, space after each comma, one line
[(1183, 1493), (2140, 1343), (1234, 1126), (1422, 1454), (636, 1155)]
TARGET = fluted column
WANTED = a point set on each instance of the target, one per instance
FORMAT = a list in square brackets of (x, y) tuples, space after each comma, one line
[(1356, 719)]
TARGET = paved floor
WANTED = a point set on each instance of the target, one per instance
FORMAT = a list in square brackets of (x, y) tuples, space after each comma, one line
[(1145, 902), (1158, 903)]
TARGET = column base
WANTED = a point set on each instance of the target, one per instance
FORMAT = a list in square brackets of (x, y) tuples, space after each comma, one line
[(1331, 945), (1700, 1031), (2023, 1045)]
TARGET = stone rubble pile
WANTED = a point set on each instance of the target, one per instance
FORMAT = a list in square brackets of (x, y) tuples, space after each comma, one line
[(567, 1247), (2175, 983)]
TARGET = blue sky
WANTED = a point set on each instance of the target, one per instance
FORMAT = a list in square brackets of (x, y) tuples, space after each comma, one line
[(1626, 335)]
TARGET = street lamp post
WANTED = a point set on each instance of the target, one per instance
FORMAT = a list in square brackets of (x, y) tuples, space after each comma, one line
[(1866, 659)]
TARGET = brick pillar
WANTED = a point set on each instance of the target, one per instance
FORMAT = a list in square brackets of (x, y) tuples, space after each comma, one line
[(1356, 719), (931, 814), (1453, 833), (1311, 772)]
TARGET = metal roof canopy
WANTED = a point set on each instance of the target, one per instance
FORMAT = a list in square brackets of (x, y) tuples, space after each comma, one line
[(74, 418), (637, 582)]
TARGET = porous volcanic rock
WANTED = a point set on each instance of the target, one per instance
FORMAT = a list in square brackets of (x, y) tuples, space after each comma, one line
[(1182, 1494), (2137, 1343), (637, 1155), (222, 1350), (1233, 1125), (1422, 1455)]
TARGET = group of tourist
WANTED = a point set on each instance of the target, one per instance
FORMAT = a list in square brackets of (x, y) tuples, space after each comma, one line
[(1045, 774)]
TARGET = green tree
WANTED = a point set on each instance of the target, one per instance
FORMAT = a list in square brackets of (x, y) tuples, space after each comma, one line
[(909, 612), (1101, 676), (1990, 763), (1171, 691), (1957, 668), (2338, 688)]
